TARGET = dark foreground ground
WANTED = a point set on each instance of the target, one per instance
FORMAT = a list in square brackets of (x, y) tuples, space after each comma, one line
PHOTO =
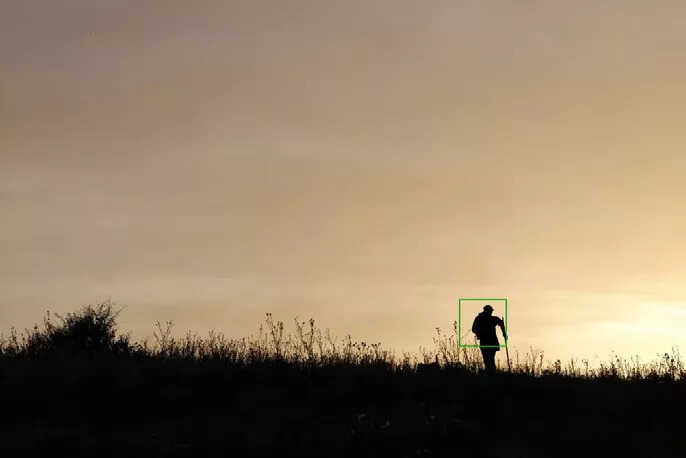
[(150, 408)]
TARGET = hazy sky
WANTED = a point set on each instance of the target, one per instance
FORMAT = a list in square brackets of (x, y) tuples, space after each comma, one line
[(365, 163)]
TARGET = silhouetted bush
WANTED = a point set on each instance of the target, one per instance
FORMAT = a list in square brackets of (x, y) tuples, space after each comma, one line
[(89, 332)]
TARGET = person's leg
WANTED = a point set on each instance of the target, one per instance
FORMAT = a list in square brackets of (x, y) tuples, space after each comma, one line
[(484, 355), (491, 359)]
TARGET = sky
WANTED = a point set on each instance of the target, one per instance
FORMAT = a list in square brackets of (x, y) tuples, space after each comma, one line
[(364, 163)]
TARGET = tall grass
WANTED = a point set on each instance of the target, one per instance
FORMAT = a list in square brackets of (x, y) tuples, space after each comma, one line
[(92, 332)]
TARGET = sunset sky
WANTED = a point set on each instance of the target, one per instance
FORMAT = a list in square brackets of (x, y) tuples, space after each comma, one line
[(361, 162)]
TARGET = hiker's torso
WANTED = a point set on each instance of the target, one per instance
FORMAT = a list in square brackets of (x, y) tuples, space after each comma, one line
[(486, 329)]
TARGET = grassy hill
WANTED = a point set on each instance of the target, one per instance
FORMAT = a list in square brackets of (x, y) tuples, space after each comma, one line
[(76, 387)]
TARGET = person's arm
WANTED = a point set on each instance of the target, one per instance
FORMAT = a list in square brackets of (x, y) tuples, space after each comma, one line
[(501, 323), (475, 327)]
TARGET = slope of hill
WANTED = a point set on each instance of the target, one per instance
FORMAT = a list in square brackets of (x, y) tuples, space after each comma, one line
[(77, 388)]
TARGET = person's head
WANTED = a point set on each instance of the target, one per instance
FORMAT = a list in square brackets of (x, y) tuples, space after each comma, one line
[(488, 309)]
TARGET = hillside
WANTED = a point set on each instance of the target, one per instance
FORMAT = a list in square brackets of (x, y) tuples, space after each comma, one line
[(77, 388)]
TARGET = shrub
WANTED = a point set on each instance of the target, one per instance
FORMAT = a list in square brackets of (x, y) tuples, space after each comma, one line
[(88, 332)]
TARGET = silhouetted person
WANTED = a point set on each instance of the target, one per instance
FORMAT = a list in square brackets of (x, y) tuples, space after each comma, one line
[(484, 328)]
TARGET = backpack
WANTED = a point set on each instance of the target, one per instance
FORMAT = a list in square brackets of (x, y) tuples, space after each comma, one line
[(477, 325)]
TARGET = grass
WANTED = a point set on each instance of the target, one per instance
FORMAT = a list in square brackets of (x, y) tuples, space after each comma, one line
[(76, 386)]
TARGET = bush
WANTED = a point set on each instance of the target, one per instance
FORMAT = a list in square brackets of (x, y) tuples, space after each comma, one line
[(90, 331)]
